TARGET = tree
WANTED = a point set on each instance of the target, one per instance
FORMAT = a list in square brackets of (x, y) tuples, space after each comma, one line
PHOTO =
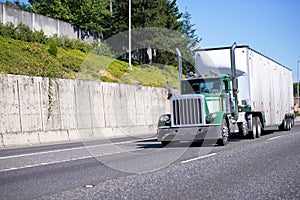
[(155, 13), (189, 32), (191, 41), (18, 5), (88, 14), (57, 9)]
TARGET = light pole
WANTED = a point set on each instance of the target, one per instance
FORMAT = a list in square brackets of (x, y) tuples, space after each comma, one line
[(110, 20), (129, 37), (298, 84)]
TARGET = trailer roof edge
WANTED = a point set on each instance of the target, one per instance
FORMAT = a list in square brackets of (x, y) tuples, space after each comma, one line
[(243, 46)]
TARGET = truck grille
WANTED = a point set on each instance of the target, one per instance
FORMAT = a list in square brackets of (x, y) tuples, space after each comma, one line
[(187, 110)]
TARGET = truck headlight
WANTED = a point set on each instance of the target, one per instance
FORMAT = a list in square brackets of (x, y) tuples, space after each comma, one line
[(164, 118), (211, 117)]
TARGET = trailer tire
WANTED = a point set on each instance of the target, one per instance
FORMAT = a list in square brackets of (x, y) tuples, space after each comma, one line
[(282, 125), (289, 126), (285, 125), (225, 133)]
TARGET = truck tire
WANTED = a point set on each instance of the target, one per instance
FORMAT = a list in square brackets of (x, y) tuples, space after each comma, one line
[(225, 133), (243, 129), (253, 133), (259, 127)]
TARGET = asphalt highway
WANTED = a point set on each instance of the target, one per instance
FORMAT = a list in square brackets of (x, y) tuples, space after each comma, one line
[(140, 168)]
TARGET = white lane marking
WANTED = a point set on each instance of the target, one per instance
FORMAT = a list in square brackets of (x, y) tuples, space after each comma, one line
[(59, 161), (43, 164), (193, 159), (273, 138), (69, 149)]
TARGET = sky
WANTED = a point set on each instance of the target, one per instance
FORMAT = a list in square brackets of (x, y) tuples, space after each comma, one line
[(271, 27)]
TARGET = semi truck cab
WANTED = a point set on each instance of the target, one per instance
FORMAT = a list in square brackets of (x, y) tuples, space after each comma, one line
[(202, 111)]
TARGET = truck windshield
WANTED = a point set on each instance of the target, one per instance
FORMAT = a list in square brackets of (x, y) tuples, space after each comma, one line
[(200, 86)]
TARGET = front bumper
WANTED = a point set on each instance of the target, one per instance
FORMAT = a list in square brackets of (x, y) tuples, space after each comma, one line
[(207, 132)]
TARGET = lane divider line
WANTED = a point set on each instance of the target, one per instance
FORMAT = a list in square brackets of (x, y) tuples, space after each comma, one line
[(197, 158), (60, 161), (273, 138), (43, 164), (69, 149)]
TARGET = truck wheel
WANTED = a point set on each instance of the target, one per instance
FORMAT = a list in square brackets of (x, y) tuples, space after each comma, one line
[(253, 133), (225, 133), (259, 127), (243, 129)]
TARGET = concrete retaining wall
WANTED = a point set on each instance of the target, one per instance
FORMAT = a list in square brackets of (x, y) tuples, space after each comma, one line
[(49, 26), (35, 110)]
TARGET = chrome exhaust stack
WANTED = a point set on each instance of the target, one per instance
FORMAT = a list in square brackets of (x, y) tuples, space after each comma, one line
[(234, 79), (179, 67)]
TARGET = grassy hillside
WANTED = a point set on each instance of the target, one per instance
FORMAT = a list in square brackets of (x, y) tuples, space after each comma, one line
[(35, 59)]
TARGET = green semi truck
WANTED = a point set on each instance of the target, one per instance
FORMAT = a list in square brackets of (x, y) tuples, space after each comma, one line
[(235, 90)]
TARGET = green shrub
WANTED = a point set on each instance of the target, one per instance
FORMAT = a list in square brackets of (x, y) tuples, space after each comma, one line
[(8, 30), (107, 79), (52, 49), (71, 59), (102, 49), (31, 59), (153, 84), (118, 68), (40, 37), (80, 45), (24, 33)]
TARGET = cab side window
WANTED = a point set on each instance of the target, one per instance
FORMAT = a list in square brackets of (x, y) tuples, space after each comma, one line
[(225, 87)]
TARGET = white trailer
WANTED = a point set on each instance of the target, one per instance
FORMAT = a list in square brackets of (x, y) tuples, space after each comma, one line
[(264, 85)]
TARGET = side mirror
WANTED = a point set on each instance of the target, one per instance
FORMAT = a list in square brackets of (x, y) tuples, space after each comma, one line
[(170, 91), (169, 96)]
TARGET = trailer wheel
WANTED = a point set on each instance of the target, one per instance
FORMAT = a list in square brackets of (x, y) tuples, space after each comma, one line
[(282, 126), (285, 125), (225, 133), (259, 127), (253, 133), (289, 124)]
